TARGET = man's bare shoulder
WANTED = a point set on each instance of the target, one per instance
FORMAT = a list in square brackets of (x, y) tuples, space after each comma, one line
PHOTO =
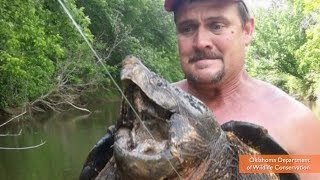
[(277, 98), (298, 129)]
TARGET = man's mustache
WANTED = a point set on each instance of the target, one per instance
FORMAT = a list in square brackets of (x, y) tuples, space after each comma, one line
[(199, 55)]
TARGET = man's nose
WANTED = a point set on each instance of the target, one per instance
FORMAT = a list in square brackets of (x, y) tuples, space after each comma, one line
[(203, 40)]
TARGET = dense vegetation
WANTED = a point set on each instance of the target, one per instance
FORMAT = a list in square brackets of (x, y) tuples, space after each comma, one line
[(41, 51), (286, 47), (44, 61)]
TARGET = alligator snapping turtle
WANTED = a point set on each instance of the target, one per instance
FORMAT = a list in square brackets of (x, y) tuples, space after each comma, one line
[(173, 135)]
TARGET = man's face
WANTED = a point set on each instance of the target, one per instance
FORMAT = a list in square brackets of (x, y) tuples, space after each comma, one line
[(211, 41)]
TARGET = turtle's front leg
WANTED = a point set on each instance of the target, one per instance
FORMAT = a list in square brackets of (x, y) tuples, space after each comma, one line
[(99, 155), (255, 136)]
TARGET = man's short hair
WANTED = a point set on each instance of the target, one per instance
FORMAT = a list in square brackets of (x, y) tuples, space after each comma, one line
[(173, 5)]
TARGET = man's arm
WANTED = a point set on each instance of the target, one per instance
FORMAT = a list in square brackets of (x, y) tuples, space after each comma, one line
[(306, 131)]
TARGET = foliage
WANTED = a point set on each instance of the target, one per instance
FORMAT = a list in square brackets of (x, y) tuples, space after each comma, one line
[(25, 66), (44, 59), (285, 50), (136, 28), (312, 5), (40, 47), (309, 53)]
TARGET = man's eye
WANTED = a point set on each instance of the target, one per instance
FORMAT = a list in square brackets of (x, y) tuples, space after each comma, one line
[(188, 29), (216, 27)]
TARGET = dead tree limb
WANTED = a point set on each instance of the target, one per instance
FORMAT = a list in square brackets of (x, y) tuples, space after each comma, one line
[(15, 117), (9, 134), (23, 148)]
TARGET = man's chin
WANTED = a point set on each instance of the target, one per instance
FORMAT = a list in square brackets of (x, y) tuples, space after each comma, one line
[(206, 78)]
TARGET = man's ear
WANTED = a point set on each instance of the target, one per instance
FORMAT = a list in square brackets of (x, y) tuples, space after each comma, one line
[(248, 30)]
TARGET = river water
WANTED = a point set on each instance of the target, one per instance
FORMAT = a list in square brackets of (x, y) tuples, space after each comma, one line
[(69, 137)]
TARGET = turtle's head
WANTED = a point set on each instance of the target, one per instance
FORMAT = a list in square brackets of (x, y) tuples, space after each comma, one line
[(151, 84), (163, 130)]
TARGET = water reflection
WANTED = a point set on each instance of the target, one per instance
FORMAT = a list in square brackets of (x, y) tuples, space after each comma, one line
[(69, 137)]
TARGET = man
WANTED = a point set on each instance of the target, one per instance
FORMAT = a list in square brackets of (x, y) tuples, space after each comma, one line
[(212, 38)]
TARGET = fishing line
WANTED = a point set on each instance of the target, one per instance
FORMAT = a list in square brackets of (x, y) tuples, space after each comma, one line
[(110, 76)]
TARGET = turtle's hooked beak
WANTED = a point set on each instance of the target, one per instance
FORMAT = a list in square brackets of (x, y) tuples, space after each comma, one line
[(169, 131), (142, 141)]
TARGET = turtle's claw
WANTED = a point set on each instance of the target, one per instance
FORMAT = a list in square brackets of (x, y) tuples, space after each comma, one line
[(99, 155)]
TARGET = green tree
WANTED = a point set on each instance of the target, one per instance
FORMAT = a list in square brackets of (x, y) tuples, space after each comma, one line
[(309, 53), (281, 52), (25, 66), (45, 61), (41, 53), (135, 28)]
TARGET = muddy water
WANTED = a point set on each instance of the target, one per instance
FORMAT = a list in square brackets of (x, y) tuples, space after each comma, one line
[(69, 136)]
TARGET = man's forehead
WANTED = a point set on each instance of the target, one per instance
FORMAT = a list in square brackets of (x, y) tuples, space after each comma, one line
[(172, 5), (206, 11)]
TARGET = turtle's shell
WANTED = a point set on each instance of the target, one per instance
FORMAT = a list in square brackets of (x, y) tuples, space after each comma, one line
[(99, 155), (258, 138)]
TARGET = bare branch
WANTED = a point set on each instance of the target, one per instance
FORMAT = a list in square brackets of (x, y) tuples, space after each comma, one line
[(8, 134), (120, 34), (23, 148), (79, 108), (15, 117), (64, 92)]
